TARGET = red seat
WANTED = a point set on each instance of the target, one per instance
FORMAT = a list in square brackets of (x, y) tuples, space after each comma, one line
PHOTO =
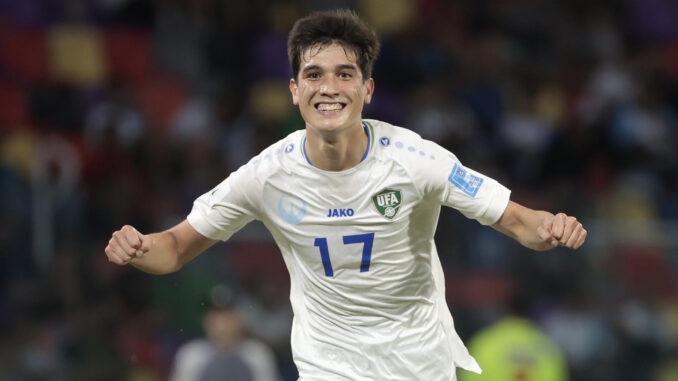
[(672, 58), (129, 54), (478, 288), (13, 113), (160, 98), (645, 270), (22, 53)]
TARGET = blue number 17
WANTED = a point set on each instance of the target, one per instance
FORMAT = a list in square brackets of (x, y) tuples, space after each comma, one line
[(365, 239)]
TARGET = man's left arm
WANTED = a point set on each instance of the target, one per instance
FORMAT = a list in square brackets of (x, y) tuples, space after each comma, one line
[(540, 230)]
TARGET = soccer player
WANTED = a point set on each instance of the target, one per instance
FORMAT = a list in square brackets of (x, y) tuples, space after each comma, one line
[(353, 205)]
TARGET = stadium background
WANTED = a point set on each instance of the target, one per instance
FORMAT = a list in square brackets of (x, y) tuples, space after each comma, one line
[(124, 111)]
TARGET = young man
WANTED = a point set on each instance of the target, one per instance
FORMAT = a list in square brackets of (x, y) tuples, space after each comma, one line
[(353, 205)]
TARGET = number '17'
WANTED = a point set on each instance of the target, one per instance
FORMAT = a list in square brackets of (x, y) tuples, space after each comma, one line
[(365, 239)]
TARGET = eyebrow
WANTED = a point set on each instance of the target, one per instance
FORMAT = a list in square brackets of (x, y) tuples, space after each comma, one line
[(337, 68), (346, 67)]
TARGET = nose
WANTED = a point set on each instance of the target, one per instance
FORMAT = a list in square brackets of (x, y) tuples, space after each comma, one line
[(329, 86)]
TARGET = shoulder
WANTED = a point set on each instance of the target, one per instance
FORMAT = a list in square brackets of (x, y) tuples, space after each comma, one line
[(196, 348), (282, 155), (386, 130), (405, 146), (255, 348)]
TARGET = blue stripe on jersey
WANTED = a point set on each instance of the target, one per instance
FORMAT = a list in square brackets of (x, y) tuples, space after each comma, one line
[(367, 150), (369, 141), (303, 149)]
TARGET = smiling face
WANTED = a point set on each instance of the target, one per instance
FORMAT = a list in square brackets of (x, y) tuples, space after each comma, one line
[(330, 90)]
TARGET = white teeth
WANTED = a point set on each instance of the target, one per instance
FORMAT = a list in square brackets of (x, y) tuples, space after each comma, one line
[(329, 106)]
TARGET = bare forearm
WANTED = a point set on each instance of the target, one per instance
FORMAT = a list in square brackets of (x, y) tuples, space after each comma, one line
[(157, 253), (540, 230), (163, 258), (523, 228)]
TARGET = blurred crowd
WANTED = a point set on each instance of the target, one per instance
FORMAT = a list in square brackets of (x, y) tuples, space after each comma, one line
[(118, 112)]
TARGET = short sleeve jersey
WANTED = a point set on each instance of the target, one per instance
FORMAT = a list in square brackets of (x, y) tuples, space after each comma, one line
[(367, 287)]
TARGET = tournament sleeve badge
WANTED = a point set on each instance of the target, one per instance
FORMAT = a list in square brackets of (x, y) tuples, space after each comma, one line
[(464, 180), (388, 202)]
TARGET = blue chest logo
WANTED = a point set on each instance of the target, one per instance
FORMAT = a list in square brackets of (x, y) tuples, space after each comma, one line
[(464, 180), (340, 212), (290, 211)]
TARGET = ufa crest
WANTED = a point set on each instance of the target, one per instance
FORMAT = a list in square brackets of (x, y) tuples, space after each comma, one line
[(388, 202)]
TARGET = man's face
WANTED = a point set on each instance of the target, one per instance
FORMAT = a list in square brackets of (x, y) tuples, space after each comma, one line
[(330, 90), (223, 327)]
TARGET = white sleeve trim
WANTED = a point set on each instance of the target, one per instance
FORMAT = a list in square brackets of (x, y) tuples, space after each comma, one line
[(497, 206), (202, 226)]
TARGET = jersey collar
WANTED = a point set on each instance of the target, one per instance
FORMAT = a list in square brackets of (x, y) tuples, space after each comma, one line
[(370, 141)]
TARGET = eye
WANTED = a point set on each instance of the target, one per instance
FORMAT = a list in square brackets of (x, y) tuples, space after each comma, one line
[(345, 75), (313, 75)]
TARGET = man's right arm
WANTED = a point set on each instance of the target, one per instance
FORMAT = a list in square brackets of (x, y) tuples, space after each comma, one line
[(157, 253)]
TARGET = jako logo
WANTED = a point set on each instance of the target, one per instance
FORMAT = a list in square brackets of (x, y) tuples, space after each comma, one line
[(388, 202), (340, 212)]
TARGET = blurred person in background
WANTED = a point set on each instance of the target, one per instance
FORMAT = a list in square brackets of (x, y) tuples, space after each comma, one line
[(226, 352), (514, 348), (370, 303)]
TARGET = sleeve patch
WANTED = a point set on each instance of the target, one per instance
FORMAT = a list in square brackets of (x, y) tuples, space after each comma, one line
[(465, 181)]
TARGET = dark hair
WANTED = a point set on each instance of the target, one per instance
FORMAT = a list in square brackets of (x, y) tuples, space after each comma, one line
[(340, 26)]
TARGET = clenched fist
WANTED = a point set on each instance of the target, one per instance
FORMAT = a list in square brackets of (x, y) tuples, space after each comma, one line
[(562, 230), (127, 244)]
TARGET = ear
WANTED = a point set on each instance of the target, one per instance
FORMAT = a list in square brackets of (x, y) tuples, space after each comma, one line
[(293, 90), (369, 87)]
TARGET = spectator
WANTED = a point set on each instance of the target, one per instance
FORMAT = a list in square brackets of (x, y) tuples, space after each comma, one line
[(226, 352), (515, 349)]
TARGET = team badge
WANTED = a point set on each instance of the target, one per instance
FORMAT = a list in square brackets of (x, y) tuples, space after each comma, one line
[(388, 202)]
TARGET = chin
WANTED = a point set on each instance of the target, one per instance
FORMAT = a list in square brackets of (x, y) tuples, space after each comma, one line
[(333, 125), (326, 123)]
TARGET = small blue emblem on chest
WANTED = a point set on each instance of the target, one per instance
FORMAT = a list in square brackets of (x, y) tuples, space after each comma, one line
[(340, 212), (290, 211), (464, 180)]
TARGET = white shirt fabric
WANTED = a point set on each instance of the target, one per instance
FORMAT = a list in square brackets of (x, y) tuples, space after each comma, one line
[(367, 286)]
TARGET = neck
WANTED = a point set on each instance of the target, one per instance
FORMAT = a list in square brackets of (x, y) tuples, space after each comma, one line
[(336, 152)]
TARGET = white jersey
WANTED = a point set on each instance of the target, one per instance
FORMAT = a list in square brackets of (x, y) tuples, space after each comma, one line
[(367, 287)]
